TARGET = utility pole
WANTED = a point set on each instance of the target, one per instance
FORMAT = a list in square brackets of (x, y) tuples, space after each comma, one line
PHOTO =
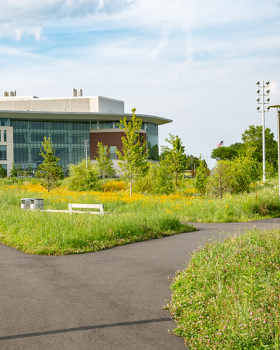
[(261, 101)]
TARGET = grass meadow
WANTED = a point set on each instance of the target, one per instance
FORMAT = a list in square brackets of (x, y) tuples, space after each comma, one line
[(129, 219), (228, 296)]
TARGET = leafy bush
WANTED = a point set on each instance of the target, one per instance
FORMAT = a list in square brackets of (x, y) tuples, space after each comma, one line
[(156, 181), (233, 176), (82, 178), (228, 297)]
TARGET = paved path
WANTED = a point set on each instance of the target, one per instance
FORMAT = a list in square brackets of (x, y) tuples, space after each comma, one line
[(105, 300)]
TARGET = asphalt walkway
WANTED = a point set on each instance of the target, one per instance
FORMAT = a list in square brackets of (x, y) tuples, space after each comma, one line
[(110, 299)]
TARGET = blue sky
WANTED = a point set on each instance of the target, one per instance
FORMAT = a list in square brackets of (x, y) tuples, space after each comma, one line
[(195, 62)]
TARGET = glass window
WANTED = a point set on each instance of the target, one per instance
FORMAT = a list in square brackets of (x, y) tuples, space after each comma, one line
[(37, 125), (152, 129), (78, 139), (5, 135), (37, 137), (58, 138), (3, 152), (94, 125), (113, 153), (0, 135), (4, 122), (20, 137), (106, 125), (35, 156), (20, 154), (61, 133), (19, 124)]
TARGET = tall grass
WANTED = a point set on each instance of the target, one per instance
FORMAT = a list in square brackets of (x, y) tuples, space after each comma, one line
[(228, 296), (40, 232), (130, 219)]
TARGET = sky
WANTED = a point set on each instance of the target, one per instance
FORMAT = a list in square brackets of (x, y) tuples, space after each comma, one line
[(195, 62)]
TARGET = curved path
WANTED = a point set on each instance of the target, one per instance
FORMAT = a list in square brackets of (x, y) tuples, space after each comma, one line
[(110, 299)]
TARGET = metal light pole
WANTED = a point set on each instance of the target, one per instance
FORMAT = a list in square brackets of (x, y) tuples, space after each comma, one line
[(262, 102), (86, 149), (278, 136)]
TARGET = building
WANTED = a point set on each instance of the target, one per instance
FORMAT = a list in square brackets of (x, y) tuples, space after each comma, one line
[(25, 121)]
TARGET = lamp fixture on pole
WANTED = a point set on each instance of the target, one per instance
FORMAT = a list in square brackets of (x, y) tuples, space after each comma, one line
[(261, 101)]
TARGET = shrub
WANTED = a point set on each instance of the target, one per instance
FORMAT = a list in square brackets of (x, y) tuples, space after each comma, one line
[(82, 178), (157, 181), (228, 297), (233, 176)]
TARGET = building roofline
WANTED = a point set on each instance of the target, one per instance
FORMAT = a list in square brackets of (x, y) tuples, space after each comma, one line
[(18, 98), (80, 116)]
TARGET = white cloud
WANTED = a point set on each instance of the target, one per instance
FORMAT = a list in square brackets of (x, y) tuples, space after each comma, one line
[(193, 62), (19, 18)]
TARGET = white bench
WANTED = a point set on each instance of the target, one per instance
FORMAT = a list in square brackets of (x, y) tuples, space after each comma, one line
[(86, 206)]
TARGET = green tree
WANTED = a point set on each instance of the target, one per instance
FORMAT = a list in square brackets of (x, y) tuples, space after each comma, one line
[(222, 153), (219, 182), (253, 137), (153, 152), (104, 162), (133, 158), (175, 159), (29, 171), (82, 177), (49, 170), (233, 176), (3, 171), (201, 176), (15, 170)]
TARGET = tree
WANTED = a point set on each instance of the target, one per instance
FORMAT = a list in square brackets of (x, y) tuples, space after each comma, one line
[(222, 153), (253, 137), (201, 176), (104, 162), (219, 181), (233, 176), (133, 158), (3, 171), (153, 152), (49, 170), (174, 157), (15, 170), (29, 171)]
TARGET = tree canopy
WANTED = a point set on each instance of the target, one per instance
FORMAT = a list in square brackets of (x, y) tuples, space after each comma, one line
[(222, 153), (133, 157), (49, 169), (174, 157)]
